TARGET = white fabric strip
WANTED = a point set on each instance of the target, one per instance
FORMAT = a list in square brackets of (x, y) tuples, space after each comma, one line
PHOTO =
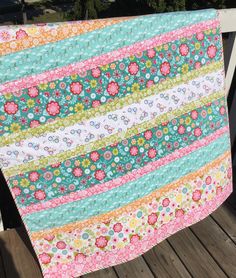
[(102, 126)]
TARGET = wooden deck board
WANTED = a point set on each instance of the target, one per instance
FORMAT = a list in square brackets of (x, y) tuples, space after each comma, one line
[(218, 244), (136, 269), (164, 262), (204, 250), (194, 255), (225, 216), (17, 258), (103, 273)]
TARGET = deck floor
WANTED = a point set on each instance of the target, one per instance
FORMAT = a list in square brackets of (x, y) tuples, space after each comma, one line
[(206, 249)]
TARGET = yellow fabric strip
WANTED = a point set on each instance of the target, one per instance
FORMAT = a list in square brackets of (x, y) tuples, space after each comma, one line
[(83, 149), (118, 103), (156, 194)]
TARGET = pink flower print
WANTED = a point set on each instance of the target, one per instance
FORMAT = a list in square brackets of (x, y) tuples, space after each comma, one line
[(77, 172), (181, 129), (148, 134), (134, 238), (200, 36), (96, 72), (79, 258), (211, 51), (10, 107), (218, 190), (133, 68), (94, 156), (166, 202), (101, 242), (184, 49), (33, 92), (197, 132), (34, 123), (45, 258), (5, 36), (197, 65), (108, 155), (222, 110), (152, 153), (53, 108), (34, 176), (208, 180), (104, 230), (194, 114), (16, 191), (196, 196), (76, 88), (229, 173), (48, 176), (47, 94), (151, 53), (152, 218), (56, 165), (21, 34), (96, 103), (149, 83), (133, 150), (72, 187), (100, 175), (49, 237), (61, 245), (117, 227), (113, 88), (179, 212), (40, 195), (165, 68)]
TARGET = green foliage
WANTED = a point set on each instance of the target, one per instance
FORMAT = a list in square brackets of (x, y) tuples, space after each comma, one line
[(167, 5), (89, 9), (205, 4), (99, 8), (178, 5)]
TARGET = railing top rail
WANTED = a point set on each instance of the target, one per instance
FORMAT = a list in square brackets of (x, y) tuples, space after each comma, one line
[(228, 20)]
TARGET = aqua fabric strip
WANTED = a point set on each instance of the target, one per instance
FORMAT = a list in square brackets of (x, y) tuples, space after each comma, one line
[(35, 60), (121, 196), (52, 192)]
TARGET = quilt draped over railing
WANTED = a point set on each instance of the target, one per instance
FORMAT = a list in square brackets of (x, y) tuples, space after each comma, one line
[(114, 133)]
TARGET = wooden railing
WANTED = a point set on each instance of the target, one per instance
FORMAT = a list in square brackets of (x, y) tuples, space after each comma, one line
[(228, 25)]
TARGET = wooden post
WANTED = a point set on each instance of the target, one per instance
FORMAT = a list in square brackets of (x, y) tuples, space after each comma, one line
[(24, 15), (228, 20)]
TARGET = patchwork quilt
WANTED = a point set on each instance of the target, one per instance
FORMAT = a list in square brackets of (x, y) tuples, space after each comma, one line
[(114, 133)]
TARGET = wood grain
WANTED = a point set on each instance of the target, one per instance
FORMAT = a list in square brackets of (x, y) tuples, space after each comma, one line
[(206, 249), (17, 258), (134, 269), (225, 216), (194, 255), (164, 262), (103, 273), (219, 245)]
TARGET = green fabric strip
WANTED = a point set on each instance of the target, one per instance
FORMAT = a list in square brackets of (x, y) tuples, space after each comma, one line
[(121, 196), (117, 137), (109, 106)]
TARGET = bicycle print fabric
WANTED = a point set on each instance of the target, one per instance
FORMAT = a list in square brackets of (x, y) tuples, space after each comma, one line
[(114, 133)]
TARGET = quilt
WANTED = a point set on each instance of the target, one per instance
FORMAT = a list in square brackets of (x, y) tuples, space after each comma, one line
[(113, 133)]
